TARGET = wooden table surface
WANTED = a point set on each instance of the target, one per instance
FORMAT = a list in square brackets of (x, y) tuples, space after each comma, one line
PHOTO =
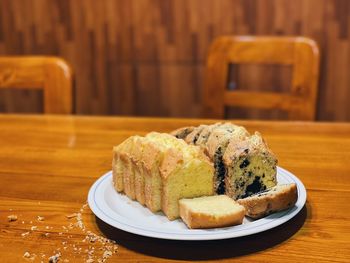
[(47, 165)]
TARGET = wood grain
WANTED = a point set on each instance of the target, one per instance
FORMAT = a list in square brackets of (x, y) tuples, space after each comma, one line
[(48, 164), (52, 75), (143, 57)]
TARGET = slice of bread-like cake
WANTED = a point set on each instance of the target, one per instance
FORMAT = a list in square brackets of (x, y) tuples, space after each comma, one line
[(182, 133), (185, 171), (121, 162), (136, 155), (276, 199), (205, 133), (152, 157), (193, 136), (128, 157), (216, 146), (211, 211), (159, 169), (250, 167)]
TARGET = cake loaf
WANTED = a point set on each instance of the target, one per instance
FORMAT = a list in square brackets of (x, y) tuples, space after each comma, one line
[(157, 170), (243, 163)]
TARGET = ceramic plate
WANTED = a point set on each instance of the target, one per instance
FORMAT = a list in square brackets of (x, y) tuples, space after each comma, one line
[(119, 211)]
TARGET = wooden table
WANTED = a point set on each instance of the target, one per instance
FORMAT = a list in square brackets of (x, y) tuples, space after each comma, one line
[(47, 165)]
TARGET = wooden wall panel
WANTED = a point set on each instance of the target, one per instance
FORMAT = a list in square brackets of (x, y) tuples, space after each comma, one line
[(146, 57)]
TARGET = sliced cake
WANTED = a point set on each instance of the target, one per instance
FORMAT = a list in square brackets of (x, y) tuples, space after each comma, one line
[(185, 170), (205, 133), (182, 133), (211, 211), (133, 176), (152, 158), (193, 136), (121, 162), (250, 167), (160, 169), (276, 199), (243, 164), (216, 147), (136, 155)]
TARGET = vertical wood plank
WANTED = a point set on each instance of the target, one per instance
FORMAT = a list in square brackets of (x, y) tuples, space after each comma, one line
[(122, 51)]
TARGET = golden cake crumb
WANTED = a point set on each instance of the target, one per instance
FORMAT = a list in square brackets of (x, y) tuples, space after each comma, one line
[(12, 218)]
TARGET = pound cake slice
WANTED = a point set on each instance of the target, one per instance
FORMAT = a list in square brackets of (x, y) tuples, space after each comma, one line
[(211, 211), (166, 167), (130, 159), (120, 162), (158, 146), (136, 156), (152, 158), (250, 167), (276, 199), (185, 171), (136, 164)]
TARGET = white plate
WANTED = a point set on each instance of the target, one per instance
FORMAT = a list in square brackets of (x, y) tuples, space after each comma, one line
[(119, 211)]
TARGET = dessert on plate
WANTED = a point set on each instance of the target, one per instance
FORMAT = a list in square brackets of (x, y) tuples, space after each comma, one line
[(220, 166)]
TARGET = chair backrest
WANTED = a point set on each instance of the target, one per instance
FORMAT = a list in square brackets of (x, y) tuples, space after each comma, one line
[(299, 52), (51, 74)]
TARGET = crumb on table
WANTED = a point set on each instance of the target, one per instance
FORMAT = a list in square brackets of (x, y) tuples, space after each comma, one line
[(12, 218), (55, 258), (72, 215)]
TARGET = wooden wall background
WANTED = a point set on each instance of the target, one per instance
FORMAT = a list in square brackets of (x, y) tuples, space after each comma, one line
[(146, 57)]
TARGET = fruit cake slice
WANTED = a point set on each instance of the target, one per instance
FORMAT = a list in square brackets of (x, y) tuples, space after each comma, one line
[(205, 133), (182, 133), (278, 198), (216, 147), (192, 137), (250, 167)]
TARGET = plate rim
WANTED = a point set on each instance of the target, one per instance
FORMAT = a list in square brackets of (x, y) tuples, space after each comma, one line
[(271, 221)]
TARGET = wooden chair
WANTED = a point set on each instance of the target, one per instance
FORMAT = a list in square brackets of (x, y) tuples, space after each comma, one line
[(300, 52), (51, 74)]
